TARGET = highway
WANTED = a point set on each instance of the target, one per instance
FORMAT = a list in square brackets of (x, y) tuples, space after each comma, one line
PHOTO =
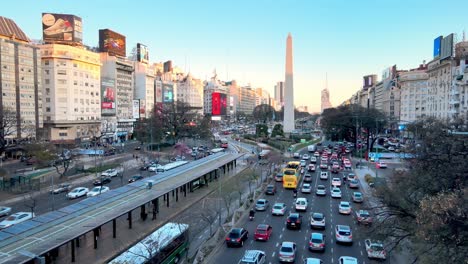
[(323, 204)]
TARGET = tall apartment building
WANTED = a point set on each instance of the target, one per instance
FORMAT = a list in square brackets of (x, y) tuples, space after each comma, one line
[(414, 93), (246, 100), (458, 102), (262, 96), (71, 93), (440, 84), (212, 86), (190, 91), (144, 89), (279, 93), (117, 75), (20, 83)]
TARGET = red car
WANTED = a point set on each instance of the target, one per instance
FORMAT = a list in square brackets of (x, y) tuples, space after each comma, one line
[(263, 232)]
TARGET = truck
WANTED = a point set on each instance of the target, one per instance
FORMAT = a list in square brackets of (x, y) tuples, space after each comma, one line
[(311, 148)]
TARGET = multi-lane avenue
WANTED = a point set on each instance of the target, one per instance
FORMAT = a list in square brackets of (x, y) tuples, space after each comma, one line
[(323, 204)]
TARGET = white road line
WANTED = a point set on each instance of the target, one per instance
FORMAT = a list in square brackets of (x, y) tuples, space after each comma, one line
[(277, 244), (359, 243), (273, 255), (362, 253), (281, 236), (332, 260), (332, 250), (251, 242)]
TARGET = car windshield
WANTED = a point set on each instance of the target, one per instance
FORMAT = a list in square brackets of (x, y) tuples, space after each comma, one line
[(286, 249)]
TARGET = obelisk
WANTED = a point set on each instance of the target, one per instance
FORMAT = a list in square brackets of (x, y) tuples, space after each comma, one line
[(288, 119)]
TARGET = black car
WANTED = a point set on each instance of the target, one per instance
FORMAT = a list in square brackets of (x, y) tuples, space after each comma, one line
[(137, 148), (237, 237), (307, 178), (135, 178), (270, 189), (101, 181), (294, 221)]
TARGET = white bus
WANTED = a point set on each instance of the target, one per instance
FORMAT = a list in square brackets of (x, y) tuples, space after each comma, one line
[(171, 166), (166, 245), (217, 150)]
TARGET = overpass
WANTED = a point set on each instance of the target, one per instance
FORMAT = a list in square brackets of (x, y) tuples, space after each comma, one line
[(38, 240)]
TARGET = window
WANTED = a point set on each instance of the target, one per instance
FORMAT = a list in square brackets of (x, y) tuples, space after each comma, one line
[(47, 109), (47, 100), (63, 134), (47, 81), (61, 72), (46, 62)]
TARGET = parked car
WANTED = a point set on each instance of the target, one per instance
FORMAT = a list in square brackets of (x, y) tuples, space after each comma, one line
[(270, 189), (237, 237), (5, 210), (253, 257), (63, 187), (261, 205), (16, 218), (135, 178), (321, 190), (317, 242), (336, 192), (343, 234), (101, 181), (306, 188), (97, 190), (287, 252), (357, 197), (301, 204), (317, 220), (344, 208), (109, 173), (263, 232), (363, 217), (278, 209), (77, 192), (375, 249), (347, 260), (294, 221)]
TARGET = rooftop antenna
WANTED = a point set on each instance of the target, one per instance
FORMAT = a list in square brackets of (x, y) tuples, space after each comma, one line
[(464, 39)]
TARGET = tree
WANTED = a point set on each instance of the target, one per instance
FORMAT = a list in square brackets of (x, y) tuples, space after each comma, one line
[(263, 113), (428, 205), (277, 131), (8, 126)]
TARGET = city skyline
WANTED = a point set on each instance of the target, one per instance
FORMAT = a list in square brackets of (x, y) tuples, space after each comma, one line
[(246, 44)]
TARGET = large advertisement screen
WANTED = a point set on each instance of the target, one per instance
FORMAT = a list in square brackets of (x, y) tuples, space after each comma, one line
[(215, 104), (142, 53), (437, 46), (62, 28), (112, 42), (136, 109), (447, 47), (108, 96), (223, 104), (168, 93)]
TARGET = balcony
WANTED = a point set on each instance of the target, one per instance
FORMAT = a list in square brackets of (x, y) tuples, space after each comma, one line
[(454, 102)]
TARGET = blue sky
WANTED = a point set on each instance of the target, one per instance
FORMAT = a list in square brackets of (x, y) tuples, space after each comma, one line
[(245, 40)]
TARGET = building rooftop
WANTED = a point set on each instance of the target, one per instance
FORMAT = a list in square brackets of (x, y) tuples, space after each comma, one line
[(9, 29)]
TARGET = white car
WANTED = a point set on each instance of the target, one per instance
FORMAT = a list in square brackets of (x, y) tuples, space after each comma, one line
[(296, 155), (324, 175), (306, 188), (336, 192), (316, 154), (323, 166), (321, 190), (278, 209), (317, 220), (313, 159), (347, 260), (77, 192), (381, 165), (375, 249), (97, 190), (344, 208), (16, 218), (5, 210), (301, 204), (109, 173), (303, 163), (336, 182), (154, 167), (305, 157)]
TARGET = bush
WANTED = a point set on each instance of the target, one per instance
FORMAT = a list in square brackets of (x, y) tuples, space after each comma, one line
[(369, 178)]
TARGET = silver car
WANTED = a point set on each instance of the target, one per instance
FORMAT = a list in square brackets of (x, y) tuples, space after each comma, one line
[(343, 234), (278, 209), (321, 190), (261, 205), (287, 252), (317, 220), (5, 210)]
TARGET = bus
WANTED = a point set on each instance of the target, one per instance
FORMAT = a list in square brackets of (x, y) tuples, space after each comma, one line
[(292, 175), (217, 150), (166, 245), (224, 143), (171, 166)]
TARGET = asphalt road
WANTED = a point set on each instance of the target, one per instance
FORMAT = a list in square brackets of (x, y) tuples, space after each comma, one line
[(325, 205)]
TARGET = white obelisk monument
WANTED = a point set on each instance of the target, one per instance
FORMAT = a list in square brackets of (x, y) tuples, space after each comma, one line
[(288, 122)]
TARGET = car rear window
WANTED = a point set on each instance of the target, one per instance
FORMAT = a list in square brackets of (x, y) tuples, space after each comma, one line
[(234, 235), (344, 233), (286, 249), (316, 240), (261, 231)]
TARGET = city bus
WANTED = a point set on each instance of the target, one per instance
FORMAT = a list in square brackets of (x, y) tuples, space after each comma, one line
[(292, 175), (171, 166), (166, 245)]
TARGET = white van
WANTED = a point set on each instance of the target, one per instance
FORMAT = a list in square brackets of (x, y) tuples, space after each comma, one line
[(311, 148)]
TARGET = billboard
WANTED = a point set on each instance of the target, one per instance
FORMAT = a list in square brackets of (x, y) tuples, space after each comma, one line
[(62, 28), (215, 104), (167, 66), (158, 92), (368, 81), (168, 93), (446, 47), (223, 104), (136, 109), (437, 46), (142, 53), (108, 96), (112, 42)]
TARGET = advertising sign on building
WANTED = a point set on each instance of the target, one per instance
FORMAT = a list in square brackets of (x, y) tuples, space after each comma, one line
[(168, 93), (215, 104), (136, 109), (62, 28), (437, 46), (159, 94), (223, 104), (142, 53), (112, 42), (108, 96), (142, 108), (446, 47)]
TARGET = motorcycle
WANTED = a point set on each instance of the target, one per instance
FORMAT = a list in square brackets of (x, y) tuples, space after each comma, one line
[(251, 217)]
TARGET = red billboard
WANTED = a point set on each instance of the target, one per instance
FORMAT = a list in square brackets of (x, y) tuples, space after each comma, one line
[(112, 42), (218, 104)]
